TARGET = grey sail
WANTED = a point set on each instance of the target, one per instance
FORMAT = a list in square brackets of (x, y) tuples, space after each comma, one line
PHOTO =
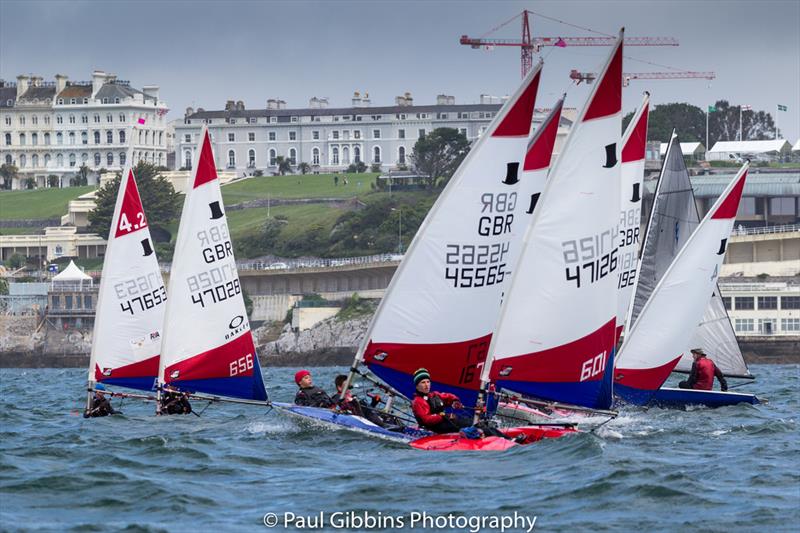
[(673, 219)]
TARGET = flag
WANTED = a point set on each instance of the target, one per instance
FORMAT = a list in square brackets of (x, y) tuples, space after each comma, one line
[(560, 43), (782, 108), (747, 108), (711, 109), (141, 121)]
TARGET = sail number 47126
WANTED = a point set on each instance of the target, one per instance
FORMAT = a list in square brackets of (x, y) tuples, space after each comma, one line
[(593, 366), (241, 365)]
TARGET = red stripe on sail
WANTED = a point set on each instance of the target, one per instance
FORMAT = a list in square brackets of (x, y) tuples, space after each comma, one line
[(730, 205), (145, 368), (645, 378), (226, 361), (206, 168), (634, 149), (607, 99), (517, 122), (456, 363), (583, 358), (131, 209), (540, 151)]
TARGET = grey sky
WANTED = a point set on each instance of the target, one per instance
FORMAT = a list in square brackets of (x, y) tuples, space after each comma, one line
[(202, 53)]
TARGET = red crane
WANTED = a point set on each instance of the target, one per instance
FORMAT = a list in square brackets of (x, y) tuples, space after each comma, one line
[(528, 45), (589, 77)]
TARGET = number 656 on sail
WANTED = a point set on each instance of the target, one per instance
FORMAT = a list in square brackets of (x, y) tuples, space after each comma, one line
[(241, 365)]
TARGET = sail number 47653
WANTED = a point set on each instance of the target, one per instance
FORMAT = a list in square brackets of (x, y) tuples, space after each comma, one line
[(241, 365)]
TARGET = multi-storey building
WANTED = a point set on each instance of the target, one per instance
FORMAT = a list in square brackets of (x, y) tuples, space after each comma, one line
[(53, 128), (330, 139)]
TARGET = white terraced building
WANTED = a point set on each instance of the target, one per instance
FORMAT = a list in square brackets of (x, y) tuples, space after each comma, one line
[(330, 139), (54, 127)]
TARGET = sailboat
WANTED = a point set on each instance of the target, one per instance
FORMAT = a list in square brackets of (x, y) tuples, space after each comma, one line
[(207, 346), (663, 329), (131, 299)]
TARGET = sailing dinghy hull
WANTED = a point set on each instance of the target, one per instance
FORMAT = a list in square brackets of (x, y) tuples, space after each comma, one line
[(671, 397), (456, 442)]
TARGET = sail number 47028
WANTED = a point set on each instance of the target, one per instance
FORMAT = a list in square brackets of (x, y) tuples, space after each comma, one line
[(241, 365), (593, 366)]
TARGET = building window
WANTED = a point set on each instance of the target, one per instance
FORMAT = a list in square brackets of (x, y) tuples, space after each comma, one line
[(766, 326), (251, 136), (790, 302), (56, 301), (356, 154), (376, 134), (292, 135), (231, 159), (251, 158), (34, 139), (231, 137), (72, 160), (8, 139), (22, 161), (790, 324), (463, 131), (376, 154), (109, 117), (60, 101), (105, 100), (315, 135), (122, 136), (271, 136), (109, 137), (315, 156), (46, 160), (21, 121), (781, 206), (96, 137), (84, 158), (335, 134), (744, 325), (122, 117), (9, 159), (47, 119), (356, 134), (47, 139), (22, 141), (187, 159), (401, 134), (72, 119), (292, 156), (747, 206), (34, 160), (345, 155), (726, 301), (72, 137), (273, 120), (187, 138), (744, 303), (59, 119), (253, 120), (335, 155), (67, 301), (34, 120), (273, 157), (97, 160), (122, 159), (421, 133), (401, 155), (60, 160), (59, 138), (767, 302), (110, 159), (97, 118), (293, 119), (87, 301)]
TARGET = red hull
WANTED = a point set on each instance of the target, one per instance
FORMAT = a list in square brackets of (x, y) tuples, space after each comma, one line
[(452, 442)]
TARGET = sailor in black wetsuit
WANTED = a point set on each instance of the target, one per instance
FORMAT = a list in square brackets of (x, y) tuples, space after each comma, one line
[(100, 404), (175, 403), (309, 395)]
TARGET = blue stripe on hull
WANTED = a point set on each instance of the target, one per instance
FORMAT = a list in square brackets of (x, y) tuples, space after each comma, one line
[(669, 397), (246, 388), (404, 383), (593, 394), (141, 383)]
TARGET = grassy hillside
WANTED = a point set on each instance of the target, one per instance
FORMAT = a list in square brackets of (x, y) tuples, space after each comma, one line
[(38, 203), (297, 186)]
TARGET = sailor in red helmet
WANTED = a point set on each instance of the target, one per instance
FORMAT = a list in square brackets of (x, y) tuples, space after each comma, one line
[(703, 373), (309, 395), (429, 406)]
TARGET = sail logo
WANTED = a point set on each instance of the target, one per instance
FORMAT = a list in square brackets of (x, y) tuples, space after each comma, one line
[(594, 366), (237, 325)]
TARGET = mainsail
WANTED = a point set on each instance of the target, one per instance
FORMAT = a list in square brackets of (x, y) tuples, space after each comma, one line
[(131, 300), (658, 338), (441, 306), (208, 346), (555, 338), (634, 142), (673, 219)]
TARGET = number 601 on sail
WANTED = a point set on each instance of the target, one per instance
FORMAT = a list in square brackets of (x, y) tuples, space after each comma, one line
[(593, 366), (241, 365)]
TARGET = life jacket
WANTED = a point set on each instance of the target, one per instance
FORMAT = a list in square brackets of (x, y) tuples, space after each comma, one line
[(705, 374), (435, 403)]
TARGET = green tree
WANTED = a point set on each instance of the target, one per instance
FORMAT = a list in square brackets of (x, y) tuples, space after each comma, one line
[(284, 165), (16, 261), (52, 180), (357, 167), (688, 121), (375, 167), (438, 154), (30, 183), (723, 124), (3, 286), (304, 168), (8, 173), (81, 177), (160, 201)]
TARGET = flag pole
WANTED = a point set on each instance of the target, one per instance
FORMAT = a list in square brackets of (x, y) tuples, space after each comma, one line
[(740, 122), (777, 112)]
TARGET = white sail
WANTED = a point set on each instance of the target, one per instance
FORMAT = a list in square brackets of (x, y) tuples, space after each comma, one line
[(208, 346), (442, 304), (131, 299), (634, 142), (658, 339), (555, 339)]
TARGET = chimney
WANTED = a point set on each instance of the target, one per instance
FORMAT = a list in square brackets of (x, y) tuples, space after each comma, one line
[(230, 105), (272, 104), (409, 99), (281, 104), (98, 79), (22, 84), (444, 99), (189, 112), (313, 103), (239, 105), (36, 81), (365, 101), (323, 102), (356, 99), (151, 91), (61, 83)]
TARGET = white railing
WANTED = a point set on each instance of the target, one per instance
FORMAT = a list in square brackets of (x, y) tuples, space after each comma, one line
[(785, 228), (297, 264)]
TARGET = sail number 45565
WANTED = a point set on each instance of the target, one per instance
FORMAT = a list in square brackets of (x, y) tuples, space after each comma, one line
[(241, 365)]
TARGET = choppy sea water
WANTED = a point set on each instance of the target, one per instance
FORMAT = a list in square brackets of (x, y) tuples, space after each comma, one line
[(734, 468)]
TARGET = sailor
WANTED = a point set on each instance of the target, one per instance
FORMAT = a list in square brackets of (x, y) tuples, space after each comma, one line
[(175, 403), (703, 373), (309, 395), (345, 401), (100, 404), (429, 406)]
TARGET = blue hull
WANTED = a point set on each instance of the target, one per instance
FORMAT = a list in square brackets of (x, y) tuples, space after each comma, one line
[(350, 422), (669, 397)]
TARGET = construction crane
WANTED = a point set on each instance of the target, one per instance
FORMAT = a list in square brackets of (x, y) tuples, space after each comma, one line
[(589, 77), (528, 45)]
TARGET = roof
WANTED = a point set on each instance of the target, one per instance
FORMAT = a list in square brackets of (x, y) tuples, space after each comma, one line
[(6, 94), (71, 273), (121, 91), (763, 185), (76, 91), (686, 148), (329, 111), (796, 147), (752, 147), (38, 93)]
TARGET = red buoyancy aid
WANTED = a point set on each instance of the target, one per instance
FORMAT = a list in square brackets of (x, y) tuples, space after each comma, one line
[(705, 374)]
